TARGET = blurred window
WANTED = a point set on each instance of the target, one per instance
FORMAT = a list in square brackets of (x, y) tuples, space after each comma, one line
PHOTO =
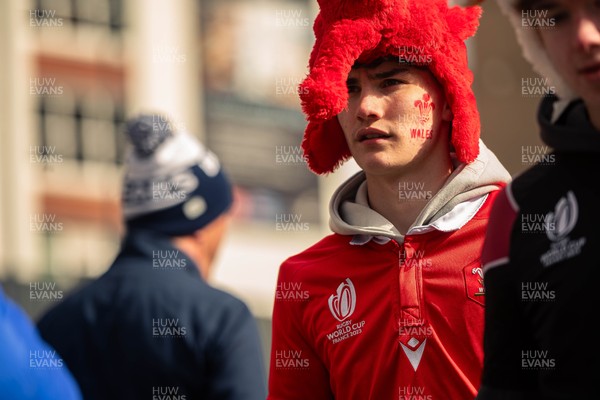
[(86, 128)]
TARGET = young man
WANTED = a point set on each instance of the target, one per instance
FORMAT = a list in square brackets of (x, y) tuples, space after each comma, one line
[(539, 255), (391, 305), (151, 327)]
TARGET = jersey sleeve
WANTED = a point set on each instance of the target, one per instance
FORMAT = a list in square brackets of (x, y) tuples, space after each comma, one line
[(496, 246), (296, 372), (503, 341)]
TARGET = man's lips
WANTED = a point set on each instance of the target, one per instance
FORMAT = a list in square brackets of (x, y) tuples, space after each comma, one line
[(591, 69), (370, 134)]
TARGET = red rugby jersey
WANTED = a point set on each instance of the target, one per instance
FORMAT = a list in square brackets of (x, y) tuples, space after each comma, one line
[(382, 320)]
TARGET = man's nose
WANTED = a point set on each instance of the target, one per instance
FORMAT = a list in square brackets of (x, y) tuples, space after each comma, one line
[(370, 106), (587, 34)]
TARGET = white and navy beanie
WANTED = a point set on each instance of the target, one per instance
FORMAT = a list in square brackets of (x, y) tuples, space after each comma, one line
[(173, 185)]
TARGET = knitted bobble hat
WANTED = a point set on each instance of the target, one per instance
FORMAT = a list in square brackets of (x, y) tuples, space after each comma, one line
[(173, 185), (425, 32)]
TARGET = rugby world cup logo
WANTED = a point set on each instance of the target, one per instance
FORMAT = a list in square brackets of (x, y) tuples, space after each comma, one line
[(342, 303), (564, 218)]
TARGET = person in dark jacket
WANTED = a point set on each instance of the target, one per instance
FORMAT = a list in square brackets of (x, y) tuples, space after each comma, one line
[(29, 368), (540, 251), (151, 327)]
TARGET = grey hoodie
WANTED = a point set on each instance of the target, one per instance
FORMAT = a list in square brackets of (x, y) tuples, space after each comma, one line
[(451, 207)]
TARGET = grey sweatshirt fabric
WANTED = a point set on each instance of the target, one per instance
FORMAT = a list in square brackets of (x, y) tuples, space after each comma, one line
[(350, 213)]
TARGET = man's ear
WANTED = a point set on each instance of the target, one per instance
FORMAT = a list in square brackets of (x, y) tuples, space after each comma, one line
[(198, 236), (447, 112)]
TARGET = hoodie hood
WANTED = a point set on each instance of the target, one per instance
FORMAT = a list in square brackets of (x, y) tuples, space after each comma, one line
[(533, 49), (450, 208), (534, 52), (572, 132)]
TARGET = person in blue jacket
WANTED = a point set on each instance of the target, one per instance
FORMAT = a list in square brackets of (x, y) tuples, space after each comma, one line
[(29, 368), (151, 327)]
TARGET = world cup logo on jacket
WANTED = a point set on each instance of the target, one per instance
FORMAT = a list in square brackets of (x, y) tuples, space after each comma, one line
[(342, 303), (563, 219), (559, 226)]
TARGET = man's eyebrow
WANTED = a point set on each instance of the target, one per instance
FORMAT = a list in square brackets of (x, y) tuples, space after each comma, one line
[(387, 74), (379, 75)]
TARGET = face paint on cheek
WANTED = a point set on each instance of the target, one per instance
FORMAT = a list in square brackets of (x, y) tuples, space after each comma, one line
[(425, 107)]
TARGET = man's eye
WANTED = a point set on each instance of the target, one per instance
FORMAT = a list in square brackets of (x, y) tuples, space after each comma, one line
[(390, 82), (558, 16), (353, 89)]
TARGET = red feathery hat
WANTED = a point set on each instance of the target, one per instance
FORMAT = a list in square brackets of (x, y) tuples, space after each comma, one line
[(347, 31)]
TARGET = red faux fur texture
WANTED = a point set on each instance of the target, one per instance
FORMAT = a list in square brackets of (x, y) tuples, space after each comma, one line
[(349, 30), (319, 156)]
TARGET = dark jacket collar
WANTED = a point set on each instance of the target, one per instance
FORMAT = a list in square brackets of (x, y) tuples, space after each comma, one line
[(155, 249), (572, 132)]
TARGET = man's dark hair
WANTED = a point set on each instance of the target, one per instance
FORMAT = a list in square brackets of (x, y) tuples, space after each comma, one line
[(378, 61), (522, 5)]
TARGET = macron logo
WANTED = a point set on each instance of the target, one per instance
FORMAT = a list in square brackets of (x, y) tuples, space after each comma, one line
[(414, 351)]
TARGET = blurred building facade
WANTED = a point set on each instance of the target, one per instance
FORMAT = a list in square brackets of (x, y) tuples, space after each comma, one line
[(227, 71)]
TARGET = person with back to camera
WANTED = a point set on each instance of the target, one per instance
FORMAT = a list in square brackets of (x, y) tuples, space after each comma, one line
[(152, 326)]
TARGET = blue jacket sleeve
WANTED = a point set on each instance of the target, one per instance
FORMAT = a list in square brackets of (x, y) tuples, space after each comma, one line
[(29, 368)]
